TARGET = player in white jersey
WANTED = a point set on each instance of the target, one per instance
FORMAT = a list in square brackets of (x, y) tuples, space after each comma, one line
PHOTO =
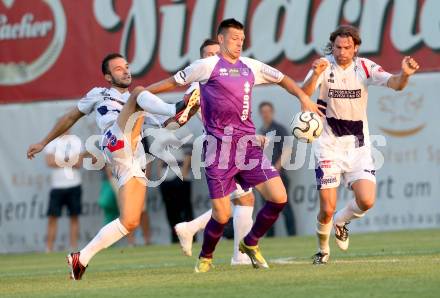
[(243, 200), (343, 151), (121, 127)]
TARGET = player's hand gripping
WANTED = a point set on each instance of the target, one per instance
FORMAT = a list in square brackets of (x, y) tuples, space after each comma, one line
[(308, 105), (319, 65), (409, 66), (34, 149)]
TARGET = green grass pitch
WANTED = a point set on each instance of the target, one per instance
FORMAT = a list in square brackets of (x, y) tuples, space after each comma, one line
[(392, 264)]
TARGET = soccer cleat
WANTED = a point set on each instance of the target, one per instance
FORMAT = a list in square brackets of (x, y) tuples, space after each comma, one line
[(254, 254), (203, 265), (185, 238), (185, 109), (76, 269), (245, 260), (320, 258), (341, 236)]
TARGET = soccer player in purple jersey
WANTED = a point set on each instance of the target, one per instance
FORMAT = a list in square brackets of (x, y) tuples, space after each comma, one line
[(226, 82)]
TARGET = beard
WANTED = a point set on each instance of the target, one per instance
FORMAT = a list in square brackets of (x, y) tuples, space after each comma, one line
[(120, 84)]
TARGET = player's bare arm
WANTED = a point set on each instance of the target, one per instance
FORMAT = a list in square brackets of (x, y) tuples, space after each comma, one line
[(318, 67), (163, 86), (306, 103), (399, 81), (62, 125)]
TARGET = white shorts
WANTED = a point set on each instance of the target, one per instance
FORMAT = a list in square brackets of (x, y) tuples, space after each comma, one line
[(124, 163), (240, 192), (352, 164)]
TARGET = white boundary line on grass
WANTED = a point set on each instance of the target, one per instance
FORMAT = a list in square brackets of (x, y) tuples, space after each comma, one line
[(291, 260)]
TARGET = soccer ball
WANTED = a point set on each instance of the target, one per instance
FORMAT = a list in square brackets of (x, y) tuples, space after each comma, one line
[(306, 126)]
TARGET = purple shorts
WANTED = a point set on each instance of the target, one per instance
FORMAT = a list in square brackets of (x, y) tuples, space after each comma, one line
[(237, 160)]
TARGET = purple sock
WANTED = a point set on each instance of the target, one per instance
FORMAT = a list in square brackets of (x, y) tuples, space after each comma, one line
[(212, 234), (265, 219)]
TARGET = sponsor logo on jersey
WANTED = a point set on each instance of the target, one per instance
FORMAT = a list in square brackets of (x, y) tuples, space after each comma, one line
[(342, 93), (244, 71), (234, 72), (223, 72), (246, 104)]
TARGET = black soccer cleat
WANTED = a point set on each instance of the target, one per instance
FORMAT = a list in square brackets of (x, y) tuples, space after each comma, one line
[(76, 268), (320, 258)]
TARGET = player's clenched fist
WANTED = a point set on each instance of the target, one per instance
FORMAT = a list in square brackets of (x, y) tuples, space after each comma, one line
[(34, 149), (319, 65), (409, 65)]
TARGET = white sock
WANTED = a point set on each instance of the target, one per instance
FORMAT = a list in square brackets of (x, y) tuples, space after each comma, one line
[(323, 233), (349, 212), (200, 222), (154, 105), (242, 219), (108, 235)]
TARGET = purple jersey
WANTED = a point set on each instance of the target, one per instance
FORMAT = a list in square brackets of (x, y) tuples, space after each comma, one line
[(226, 91)]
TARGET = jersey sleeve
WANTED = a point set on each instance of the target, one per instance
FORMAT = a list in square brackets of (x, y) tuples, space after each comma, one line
[(87, 103), (376, 75), (198, 71), (192, 87), (263, 73)]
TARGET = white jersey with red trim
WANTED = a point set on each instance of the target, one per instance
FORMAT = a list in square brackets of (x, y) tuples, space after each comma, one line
[(106, 102), (344, 93)]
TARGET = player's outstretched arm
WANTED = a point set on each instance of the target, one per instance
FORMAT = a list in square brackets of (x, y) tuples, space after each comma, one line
[(163, 86), (306, 103), (62, 125), (399, 81), (318, 66)]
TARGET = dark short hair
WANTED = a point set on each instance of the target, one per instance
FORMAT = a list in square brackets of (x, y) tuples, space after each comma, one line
[(106, 60), (265, 103), (343, 31), (207, 42), (229, 23)]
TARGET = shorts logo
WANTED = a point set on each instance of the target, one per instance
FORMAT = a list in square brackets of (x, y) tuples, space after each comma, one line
[(113, 143), (324, 181), (372, 172), (340, 93)]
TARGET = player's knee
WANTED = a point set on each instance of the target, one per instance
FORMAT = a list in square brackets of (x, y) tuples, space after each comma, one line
[(223, 217), (326, 214), (135, 93), (366, 204), (131, 224), (279, 197), (137, 90)]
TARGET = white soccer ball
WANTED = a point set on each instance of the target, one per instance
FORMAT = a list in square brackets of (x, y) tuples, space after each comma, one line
[(306, 126)]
